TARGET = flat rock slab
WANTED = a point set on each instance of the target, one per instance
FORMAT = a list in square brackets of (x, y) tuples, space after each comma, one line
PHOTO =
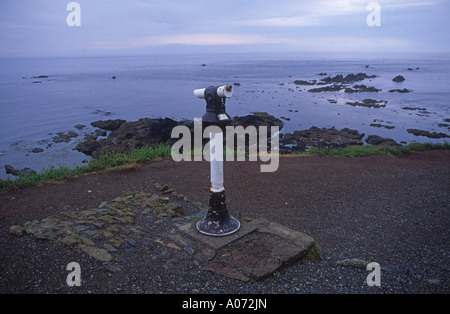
[(256, 251), (217, 242)]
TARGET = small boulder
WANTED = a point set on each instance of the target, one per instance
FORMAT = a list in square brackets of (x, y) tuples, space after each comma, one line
[(16, 230), (109, 125), (69, 240), (404, 90), (18, 173), (381, 141), (101, 255), (398, 79), (37, 150)]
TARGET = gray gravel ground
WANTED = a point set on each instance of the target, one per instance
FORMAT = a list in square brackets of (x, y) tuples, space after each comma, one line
[(387, 210)]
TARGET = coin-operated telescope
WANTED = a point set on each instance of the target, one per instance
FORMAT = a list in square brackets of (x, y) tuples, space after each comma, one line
[(218, 221)]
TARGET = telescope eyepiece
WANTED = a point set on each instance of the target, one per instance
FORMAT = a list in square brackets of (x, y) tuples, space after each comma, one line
[(224, 91)]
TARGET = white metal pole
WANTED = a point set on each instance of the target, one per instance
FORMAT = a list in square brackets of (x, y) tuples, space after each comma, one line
[(216, 161)]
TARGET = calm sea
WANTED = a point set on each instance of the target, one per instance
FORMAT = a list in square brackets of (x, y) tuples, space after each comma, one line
[(76, 91)]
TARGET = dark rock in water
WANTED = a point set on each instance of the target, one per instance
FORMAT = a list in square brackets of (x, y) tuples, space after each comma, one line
[(37, 150), (79, 126), (147, 130), (370, 103), (398, 79), (94, 136), (99, 132), (301, 82), (331, 88), (404, 90), (18, 173), (379, 125), (417, 132), (413, 108), (64, 137), (257, 119), (131, 135), (109, 125), (152, 132), (339, 82), (381, 141), (88, 146), (348, 79), (362, 89), (101, 112), (319, 138)]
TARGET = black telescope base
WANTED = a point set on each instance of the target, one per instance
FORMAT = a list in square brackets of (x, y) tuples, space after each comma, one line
[(214, 226), (218, 221)]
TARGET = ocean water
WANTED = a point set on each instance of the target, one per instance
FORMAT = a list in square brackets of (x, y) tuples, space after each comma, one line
[(81, 90)]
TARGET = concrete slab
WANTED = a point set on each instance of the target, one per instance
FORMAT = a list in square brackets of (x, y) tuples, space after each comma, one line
[(255, 251), (297, 238), (217, 242)]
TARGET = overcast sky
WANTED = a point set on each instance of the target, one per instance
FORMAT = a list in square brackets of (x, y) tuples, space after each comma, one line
[(115, 27)]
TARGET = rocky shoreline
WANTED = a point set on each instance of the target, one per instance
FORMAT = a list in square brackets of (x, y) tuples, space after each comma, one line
[(121, 136), (150, 132)]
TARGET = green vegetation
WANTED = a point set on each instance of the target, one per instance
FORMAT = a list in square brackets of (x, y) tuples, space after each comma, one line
[(365, 150), (276, 274), (314, 254), (141, 155)]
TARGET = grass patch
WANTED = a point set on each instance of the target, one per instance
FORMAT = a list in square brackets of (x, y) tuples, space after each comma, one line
[(205, 152), (366, 150), (105, 162), (314, 254)]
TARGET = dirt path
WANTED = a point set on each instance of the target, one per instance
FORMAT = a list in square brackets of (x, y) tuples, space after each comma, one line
[(394, 211)]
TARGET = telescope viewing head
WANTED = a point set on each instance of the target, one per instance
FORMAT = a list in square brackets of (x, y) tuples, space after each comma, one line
[(215, 97), (224, 91)]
